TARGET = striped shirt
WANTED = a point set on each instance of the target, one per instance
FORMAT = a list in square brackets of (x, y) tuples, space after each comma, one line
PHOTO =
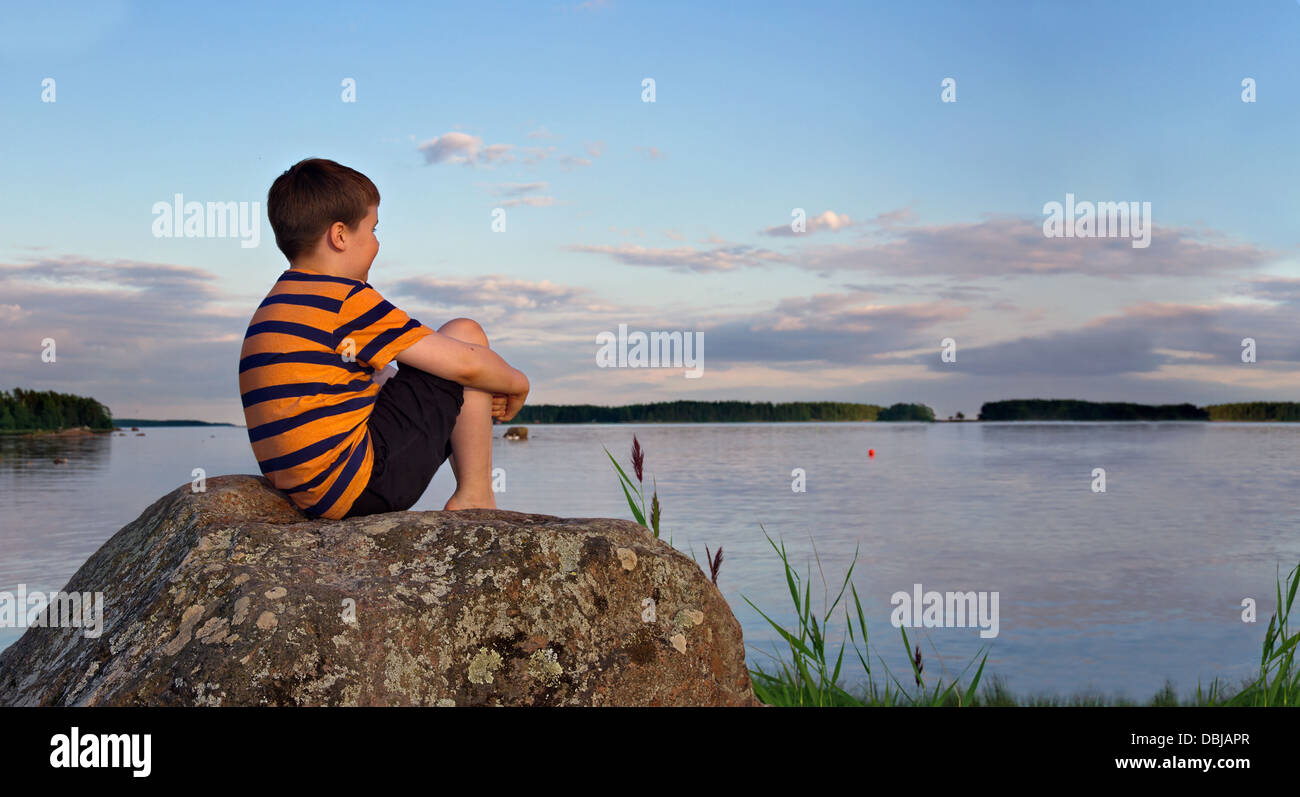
[(305, 377)]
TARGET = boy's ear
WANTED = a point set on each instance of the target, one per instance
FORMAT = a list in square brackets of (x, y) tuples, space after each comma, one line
[(337, 235)]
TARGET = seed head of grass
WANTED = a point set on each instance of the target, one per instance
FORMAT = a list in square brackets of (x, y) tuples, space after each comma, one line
[(638, 458), (715, 562)]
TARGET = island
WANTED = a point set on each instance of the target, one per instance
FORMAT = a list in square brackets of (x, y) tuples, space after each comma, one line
[(722, 412), (47, 411), (1075, 410)]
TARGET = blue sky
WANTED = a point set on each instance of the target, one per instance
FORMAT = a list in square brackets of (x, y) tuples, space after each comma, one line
[(660, 215)]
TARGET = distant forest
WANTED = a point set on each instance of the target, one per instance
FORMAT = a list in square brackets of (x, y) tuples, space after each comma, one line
[(41, 410), (721, 412), (906, 412), (1256, 411), (1073, 410), (698, 411), (1009, 410)]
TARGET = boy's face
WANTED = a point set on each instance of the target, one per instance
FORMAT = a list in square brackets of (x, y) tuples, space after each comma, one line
[(367, 245)]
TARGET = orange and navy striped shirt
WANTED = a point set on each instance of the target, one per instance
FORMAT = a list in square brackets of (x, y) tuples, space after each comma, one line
[(306, 380)]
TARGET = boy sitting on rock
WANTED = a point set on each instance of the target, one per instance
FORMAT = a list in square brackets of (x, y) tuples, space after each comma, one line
[(328, 424)]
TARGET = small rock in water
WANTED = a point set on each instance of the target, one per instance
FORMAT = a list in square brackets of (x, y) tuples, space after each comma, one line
[(60, 460), (517, 433)]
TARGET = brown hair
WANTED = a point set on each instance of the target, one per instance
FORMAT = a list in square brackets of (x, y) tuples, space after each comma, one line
[(310, 196)]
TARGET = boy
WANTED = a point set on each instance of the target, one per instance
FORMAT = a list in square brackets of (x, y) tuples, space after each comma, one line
[(328, 424)]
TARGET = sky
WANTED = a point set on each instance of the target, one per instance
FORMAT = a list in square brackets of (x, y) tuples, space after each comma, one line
[(924, 217)]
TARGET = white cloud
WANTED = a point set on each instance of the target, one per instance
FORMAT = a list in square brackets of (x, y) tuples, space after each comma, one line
[(456, 147)]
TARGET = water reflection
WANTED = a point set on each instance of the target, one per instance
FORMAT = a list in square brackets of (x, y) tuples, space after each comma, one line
[(33, 454)]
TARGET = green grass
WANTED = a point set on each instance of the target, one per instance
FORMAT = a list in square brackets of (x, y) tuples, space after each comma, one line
[(811, 675)]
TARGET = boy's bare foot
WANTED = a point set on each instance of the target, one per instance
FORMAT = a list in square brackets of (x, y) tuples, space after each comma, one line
[(458, 501)]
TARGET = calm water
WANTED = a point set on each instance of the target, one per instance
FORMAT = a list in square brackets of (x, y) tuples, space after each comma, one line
[(1113, 591)]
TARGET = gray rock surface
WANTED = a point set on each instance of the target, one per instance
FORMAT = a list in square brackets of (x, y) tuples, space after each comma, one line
[(233, 597)]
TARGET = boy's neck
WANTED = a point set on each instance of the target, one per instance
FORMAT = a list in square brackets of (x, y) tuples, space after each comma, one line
[(330, 269)]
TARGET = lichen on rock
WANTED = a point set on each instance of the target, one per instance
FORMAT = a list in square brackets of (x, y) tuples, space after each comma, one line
[(545, 667), (483, 667)]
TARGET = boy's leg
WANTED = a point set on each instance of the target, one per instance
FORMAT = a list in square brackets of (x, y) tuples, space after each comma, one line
[(471, 438), (410, 430)]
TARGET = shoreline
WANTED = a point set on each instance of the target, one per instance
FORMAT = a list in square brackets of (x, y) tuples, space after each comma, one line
[(76, 431)]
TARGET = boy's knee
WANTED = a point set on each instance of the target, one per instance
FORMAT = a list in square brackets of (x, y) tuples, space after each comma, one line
[(466, 329)]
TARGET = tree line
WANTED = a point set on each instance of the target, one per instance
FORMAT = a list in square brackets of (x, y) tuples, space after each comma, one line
[(699, 412), (906, 412), (1008, 410), (1074, 410), (722, 412), (1256, 411), (42, 410)]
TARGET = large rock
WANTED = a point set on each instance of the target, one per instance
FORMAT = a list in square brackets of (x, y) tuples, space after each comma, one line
[(232, 597)]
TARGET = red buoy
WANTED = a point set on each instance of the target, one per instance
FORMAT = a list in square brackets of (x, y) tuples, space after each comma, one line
[(871, 452)]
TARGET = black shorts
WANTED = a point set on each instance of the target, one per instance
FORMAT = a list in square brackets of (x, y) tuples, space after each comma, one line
[(410, 432)]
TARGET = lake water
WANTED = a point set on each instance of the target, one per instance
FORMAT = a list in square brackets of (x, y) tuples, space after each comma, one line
[(1111, 592)]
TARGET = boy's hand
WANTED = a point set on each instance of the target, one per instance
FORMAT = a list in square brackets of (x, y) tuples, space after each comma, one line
[(383, 376), (498, 405), (514, 403)]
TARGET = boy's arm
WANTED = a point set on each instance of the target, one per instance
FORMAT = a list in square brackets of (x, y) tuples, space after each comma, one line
[(469, 364)]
